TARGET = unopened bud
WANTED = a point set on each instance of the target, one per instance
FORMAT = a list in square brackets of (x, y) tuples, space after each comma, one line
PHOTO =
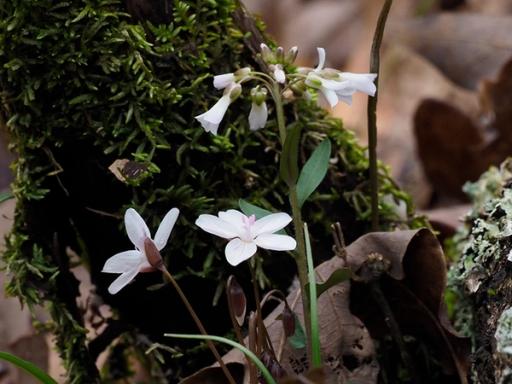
[(235, 91), (153, 254), (298, 88), (266, 53), (258, 95), (236, 299), (279, 54), (291, 55), (271, 363), (288, 319), (242, 73)]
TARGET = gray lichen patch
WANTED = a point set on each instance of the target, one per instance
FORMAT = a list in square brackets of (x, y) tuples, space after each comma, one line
[(503, 334)]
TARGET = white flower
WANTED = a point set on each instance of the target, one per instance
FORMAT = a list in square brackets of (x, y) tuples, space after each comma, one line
[(211, 119), (338, 86), (258, 116), (224, 80), (247, 233), (130, 263)]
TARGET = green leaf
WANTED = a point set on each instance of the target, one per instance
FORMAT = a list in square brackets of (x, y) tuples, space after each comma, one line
[(288, 168), (28, 367), (337, 277), (314, 171), (4, 196), (298, 339), (249, 209)]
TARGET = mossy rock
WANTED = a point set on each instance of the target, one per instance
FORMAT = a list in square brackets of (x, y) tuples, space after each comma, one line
[(85, 83)]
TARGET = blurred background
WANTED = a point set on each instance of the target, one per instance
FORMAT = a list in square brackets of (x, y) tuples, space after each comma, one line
[(444, 112)]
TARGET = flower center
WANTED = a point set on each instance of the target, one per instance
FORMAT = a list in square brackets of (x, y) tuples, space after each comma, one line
[(248, 223)]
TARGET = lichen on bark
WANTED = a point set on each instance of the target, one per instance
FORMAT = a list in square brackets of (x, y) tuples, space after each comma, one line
[(85, 83), (480, 280)]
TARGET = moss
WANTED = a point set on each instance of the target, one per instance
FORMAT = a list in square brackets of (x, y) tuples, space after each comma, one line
[(84, 84)]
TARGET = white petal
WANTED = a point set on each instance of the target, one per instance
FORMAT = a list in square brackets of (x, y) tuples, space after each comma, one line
[(234, 217), (276, 242), (136, 228), (279, 74), (347, 99), (122, 281), (165, 228), (211, 119), (222, 81), (215, 226), (330, 96), (123, 262), (321, 58), (362, 82), (270, 223), (258, 116), (238, 251)]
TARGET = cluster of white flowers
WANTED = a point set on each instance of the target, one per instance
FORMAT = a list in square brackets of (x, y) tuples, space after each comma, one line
[(244, 232), (331, 84)]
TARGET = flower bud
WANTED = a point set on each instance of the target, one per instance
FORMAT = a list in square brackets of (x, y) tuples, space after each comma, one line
[(279, 54), (298, 88), (234, 91), (258, 95), (153, 254), (236, 299), (271, 363), (266, 53), (291, 55), (288, 319), (242, 73)]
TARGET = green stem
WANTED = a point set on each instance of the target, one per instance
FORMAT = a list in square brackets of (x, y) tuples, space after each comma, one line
[(372, 114), (302, 264), (264, 371), (278, 101), (199, 324), (298, 224), (316, 357)]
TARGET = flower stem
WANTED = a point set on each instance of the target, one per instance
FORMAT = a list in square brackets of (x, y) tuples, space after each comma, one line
[(259, 316), (199, 324), (372, 114), (298, 224), (302, 264), (278, 101)]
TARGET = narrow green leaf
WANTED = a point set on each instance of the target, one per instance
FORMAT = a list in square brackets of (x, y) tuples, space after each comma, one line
[(28, 367), (289, 168), (298, 339), (4, 196), (314, 171), (337, 277), (316, 357), (264, 371)]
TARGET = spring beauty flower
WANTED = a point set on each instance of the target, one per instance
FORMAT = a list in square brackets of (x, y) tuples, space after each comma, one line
[(211, 119), (145, 257), (338, 86), (246, 233)]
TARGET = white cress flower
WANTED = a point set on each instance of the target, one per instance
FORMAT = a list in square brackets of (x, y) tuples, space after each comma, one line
[(144, 258), (338, 86), (259, 113), (211, 119), (279, 74), (227, 79), (258, 116), (246, 233)]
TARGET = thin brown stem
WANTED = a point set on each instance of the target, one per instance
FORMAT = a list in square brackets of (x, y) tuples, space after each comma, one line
[(199, 324), (260, 332), (372, 114)]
